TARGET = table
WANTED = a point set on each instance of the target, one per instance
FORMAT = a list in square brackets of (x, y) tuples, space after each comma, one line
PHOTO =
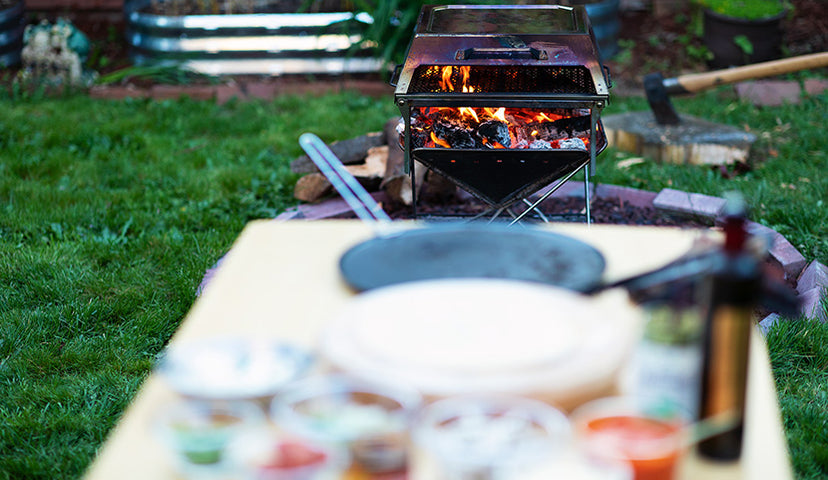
[(281, 279)]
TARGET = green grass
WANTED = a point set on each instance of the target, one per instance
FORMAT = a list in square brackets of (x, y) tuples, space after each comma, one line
[(111, 211), (799, 357), (787, 188)]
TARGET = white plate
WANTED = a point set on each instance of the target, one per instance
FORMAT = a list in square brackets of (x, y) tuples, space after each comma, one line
[(231, 368), (449, 337)]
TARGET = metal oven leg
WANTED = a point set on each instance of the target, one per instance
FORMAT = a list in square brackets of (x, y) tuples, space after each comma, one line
[(586, 195), (551, 191)]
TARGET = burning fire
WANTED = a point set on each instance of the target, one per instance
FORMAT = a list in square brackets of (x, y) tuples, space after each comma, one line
[(490, 127)]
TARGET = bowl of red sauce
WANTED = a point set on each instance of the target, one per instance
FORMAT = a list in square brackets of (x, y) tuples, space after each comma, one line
[(649, 436)]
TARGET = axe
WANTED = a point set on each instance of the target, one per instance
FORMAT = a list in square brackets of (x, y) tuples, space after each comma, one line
[(659, 89)]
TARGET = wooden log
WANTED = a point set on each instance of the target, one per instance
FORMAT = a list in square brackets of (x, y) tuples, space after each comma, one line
[(312, 187), (371, 172), (437, 188), (350, 151), (396, 183)]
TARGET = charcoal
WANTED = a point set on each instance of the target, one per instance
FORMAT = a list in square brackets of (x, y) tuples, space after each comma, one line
[(495, 131), (572, 124), (462, 139), (540, 145)]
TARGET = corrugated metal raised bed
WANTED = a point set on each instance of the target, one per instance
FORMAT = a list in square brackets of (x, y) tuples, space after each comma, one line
[(250, 42), (12, 25)]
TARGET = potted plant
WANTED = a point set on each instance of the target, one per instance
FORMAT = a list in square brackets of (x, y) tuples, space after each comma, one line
[(739, 32)]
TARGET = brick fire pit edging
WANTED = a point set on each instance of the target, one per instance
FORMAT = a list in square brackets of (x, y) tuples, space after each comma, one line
[(809, 278)]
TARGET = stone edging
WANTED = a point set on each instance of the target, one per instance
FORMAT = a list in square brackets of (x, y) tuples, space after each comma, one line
[(810, 278), (242, 89)]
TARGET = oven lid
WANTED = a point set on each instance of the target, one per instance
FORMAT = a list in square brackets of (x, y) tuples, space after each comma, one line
[(500, 20)]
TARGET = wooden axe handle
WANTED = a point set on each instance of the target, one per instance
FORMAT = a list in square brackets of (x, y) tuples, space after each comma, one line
[(696, 82)]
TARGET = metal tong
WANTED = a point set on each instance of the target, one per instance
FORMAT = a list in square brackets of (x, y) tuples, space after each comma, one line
[(348, 187)]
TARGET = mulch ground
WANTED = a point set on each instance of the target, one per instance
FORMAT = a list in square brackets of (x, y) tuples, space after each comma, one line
[(559, 209)]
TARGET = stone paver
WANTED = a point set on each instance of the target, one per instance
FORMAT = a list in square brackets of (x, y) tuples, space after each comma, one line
[(815, 86), (171, 92), (227, 92), (117, 92), (260, 90), (788, 256), (693, 204), (769, 93), (811, 305), (815, 275), (766, 323)]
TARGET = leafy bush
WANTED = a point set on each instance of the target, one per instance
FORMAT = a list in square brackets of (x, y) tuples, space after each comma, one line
[(747, 9)]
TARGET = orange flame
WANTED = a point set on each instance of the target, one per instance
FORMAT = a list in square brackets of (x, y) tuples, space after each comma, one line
[(469, 112), (439, 141), (445, 83)]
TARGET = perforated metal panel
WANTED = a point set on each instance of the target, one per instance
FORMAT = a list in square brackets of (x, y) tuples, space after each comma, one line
[(505, 79)]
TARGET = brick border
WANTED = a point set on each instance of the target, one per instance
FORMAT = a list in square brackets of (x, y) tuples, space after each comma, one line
[(255, 88), (810, 279)]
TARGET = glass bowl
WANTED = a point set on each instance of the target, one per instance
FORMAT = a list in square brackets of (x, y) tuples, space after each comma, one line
[(369, 419)]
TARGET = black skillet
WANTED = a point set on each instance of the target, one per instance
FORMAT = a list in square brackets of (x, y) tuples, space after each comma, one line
[(473, 251), (464, 250)]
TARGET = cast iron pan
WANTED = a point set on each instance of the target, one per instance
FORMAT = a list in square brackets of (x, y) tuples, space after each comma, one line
[(473, 251)]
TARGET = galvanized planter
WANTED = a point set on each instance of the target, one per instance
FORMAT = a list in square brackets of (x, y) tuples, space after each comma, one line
[(12, 25), (254, 43)]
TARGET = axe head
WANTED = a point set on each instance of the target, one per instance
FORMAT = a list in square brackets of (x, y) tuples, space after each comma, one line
[(659, 99)]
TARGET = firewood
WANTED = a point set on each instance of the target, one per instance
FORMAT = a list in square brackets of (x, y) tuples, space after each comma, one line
[(370, 173), (312, 187), (396, 183), (437, 188), (350, 151), (374, 164)]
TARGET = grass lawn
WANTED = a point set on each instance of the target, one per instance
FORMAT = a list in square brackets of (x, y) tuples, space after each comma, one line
[(111, 211)]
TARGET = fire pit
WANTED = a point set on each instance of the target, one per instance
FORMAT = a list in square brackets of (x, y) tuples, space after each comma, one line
[(502, 100)]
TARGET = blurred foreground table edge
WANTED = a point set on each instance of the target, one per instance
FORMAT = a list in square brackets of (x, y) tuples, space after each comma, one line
[(281, 279)]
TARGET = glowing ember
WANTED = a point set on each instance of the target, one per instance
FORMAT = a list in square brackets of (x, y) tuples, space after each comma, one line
[(494, 127), (486, 127)]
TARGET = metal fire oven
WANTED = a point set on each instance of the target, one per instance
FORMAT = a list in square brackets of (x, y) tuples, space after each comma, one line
[(528, 56)]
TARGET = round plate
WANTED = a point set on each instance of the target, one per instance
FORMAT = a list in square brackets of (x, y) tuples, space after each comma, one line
[(460, 336), (231, 368), (473, 251)]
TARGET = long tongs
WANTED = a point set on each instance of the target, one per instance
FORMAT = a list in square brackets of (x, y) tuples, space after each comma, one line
[(348, 187)]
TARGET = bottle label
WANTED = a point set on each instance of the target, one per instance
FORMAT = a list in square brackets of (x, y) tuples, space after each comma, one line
[(668, 372)]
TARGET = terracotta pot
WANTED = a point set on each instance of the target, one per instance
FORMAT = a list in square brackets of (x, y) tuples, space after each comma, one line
[(764, 34)]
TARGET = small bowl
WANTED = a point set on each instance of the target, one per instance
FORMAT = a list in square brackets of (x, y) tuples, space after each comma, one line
[(369, 419), (232, 368), (197, 432), (476, 435), (263, 454)]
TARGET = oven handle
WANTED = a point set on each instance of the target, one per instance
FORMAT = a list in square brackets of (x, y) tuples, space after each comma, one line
[(607, 76), (395, 77), (508, 53)]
